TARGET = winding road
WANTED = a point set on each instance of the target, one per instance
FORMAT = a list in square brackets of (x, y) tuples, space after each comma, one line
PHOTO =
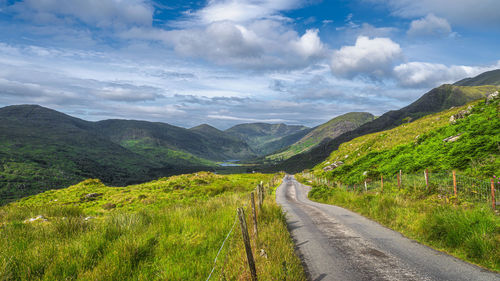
[(337, 244)]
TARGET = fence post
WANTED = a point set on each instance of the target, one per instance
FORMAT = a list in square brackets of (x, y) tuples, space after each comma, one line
[(454, 183), (382, 183), (246, 240), (493, 203), (399, 180), (255, 229), (426, 175)]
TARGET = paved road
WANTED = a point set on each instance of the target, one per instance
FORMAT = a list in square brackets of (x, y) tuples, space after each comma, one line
[(337, 244)]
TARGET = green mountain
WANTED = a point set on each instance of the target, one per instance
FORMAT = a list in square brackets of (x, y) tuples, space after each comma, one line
[(266, 138), (328, 130), (436, 100), (486, 78), (43, 149), (468, 142), (157, 137)]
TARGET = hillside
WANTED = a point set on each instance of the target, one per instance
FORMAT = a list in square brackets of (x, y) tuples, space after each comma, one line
[(136, 135), (167, 229), (329, 130), (266, 138), (470, 144), (436, 100), (486, 78)]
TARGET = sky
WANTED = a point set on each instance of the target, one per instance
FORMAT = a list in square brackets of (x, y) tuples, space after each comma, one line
[(226, 62)]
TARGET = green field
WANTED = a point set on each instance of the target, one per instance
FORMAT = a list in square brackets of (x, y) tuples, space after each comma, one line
[(168, 229)]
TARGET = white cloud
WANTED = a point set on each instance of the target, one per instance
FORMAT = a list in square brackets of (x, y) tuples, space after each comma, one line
[(368, 57), (244, 10), (260, 45), (100, 13), (309, 44), (430, 26), (466, 13), (426, 75)]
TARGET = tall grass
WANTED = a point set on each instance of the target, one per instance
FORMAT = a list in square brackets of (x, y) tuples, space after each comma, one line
[(469, 232), (172, 233)]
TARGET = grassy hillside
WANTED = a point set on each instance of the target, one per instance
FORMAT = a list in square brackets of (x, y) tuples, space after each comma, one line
[(437, 100), (328, 130), (486, 78), (266, 138), (168, 229), (420, 144), (208, 144), (42, 149)]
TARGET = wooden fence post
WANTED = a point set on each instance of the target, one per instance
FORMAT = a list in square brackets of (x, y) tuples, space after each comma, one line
[(399, 180), (493, 203), (426, 175), (382, 183), (246, 240), (255, 229), (454, 183), (261, 196)]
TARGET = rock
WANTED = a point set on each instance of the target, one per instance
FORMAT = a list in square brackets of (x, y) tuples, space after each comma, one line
[(491, 97), (460, 115), (332, 166), (365, 173), (92, 195), (452, 138), (88, 218), (37, 218), (263, 253)]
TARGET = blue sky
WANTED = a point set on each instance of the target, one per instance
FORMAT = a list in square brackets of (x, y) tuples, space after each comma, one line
[(225, 62)]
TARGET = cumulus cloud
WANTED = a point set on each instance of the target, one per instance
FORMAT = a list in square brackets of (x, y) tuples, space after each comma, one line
[(373, 58), (430, 26), (426, 75), (259, 45), (100, 13)]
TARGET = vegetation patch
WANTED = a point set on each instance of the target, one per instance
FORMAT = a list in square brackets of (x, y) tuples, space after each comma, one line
[(168, 229)]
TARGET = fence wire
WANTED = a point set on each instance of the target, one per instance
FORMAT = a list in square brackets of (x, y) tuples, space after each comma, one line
[(465, 188)]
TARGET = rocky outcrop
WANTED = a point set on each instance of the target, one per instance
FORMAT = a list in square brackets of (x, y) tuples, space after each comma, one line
[(333, 166), (452, 138), (460, 115)]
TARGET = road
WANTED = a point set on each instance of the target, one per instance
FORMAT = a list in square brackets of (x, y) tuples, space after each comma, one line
[(337, 244)]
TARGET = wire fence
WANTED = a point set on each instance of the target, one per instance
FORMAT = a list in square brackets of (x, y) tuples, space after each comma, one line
[(260, 190), (448, 184)]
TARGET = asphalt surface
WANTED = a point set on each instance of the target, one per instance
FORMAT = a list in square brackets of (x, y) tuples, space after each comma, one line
[(337, 244)]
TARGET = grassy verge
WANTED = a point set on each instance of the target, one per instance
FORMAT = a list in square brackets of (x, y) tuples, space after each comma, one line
[(469, 232), (169, 229)]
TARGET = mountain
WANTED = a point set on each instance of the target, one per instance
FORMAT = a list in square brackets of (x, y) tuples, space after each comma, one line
[(486, 78), (328, 130), (266, 138), (468, 144), (209, 144), (436, 100), (42, 149)]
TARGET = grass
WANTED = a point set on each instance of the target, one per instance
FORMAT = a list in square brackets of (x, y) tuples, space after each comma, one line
[(470, 232), (419, 145), (168, 229)]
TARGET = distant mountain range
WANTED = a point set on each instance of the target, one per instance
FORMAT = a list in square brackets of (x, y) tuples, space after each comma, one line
[(328, 130), (266, 138)]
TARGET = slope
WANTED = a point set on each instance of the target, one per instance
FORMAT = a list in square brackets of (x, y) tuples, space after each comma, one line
[(266, 138), (328, 130), (436, 100), (486, 78), (161, 136), (41, 149), (469, 144)]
